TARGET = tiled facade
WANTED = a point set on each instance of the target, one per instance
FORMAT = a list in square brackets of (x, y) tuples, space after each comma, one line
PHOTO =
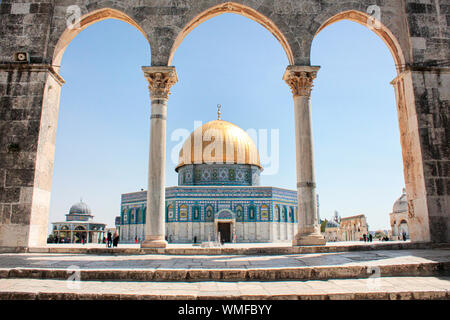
[(256, 214), (223, 174)]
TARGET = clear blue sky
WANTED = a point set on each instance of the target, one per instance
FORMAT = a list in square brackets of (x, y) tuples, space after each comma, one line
[(103, 127)]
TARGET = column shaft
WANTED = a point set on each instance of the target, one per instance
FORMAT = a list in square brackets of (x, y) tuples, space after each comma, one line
[(160, 81), (300, 79)]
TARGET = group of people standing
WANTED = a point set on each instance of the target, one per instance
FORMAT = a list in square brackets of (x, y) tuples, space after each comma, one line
[(112, 240), (367, 238)]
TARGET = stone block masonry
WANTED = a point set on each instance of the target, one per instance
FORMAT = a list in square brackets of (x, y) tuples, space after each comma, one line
[(416, 32)]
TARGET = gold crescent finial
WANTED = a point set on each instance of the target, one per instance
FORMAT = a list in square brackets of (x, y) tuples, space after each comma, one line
[(219, 106)]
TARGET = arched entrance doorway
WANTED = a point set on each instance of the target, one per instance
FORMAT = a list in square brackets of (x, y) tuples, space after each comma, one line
[(403, 231), (80, 234), (225, 222)]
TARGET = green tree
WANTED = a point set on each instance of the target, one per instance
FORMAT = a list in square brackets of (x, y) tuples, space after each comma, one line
[(51, 238), (323, 225)]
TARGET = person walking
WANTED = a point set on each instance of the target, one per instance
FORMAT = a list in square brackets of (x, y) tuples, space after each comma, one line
[(116, 239), (370, 237), (109, 240)]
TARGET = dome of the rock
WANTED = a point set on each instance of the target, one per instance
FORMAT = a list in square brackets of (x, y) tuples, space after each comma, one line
[(219, 142)]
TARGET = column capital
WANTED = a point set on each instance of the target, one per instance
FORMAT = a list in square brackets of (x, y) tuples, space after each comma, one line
[(160, 80), (300, 79)]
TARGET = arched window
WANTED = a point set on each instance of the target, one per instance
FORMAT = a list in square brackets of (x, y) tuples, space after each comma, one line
[(209, 213), (196, 213), (170, 211), (239, 213), (183, 212), (132, 216), (291, 214), (264, 212), (125, 217), (277, 213), (251, 213), (143, 214)]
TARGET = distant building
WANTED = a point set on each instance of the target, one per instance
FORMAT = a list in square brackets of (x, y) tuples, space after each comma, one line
[(346, 229), (332, 228), (353, 228), (79, 225), (399, 218)]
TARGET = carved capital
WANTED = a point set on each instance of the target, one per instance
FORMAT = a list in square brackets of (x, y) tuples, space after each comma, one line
[(300, 79), (160, 80)]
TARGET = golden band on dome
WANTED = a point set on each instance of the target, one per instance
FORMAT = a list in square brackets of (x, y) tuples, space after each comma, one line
[(219, 142)]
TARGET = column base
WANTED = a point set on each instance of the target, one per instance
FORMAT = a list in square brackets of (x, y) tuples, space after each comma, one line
[(309, 240), (157, 243)]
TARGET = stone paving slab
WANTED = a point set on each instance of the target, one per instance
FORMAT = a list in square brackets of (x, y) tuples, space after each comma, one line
[(88, 261), (385, 288), (389, 263)]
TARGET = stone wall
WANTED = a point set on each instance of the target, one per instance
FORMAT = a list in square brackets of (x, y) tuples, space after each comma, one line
[(184, 232), (416, 32)]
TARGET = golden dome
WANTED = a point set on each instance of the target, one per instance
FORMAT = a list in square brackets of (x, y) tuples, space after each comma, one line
[(219, 142)]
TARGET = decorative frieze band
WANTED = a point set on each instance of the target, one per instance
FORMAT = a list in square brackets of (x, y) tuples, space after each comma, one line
[(300, 79), (160, 80)]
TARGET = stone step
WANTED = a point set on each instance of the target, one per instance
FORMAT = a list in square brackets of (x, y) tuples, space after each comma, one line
[(254, 249), (234, 274), (389, 288)]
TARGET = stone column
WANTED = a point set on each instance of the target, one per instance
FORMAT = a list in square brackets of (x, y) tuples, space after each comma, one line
[(300, 79), (160, 80)]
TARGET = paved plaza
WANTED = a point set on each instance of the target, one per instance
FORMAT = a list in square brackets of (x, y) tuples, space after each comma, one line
[(374, 258), (402, 274)]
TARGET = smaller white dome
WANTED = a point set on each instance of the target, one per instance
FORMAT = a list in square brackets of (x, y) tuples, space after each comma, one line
[(80, 208), (401, 205), (332, 224)]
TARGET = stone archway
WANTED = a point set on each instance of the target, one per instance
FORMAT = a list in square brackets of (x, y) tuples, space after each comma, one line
[(30, 94), (406, 104), (37, 200), (237, 8), (85, 21), (403, 229), (376, 26)]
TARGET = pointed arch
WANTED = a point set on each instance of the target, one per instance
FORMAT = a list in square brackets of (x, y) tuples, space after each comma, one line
[(380, 29), (232, 7), (85, 21)]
